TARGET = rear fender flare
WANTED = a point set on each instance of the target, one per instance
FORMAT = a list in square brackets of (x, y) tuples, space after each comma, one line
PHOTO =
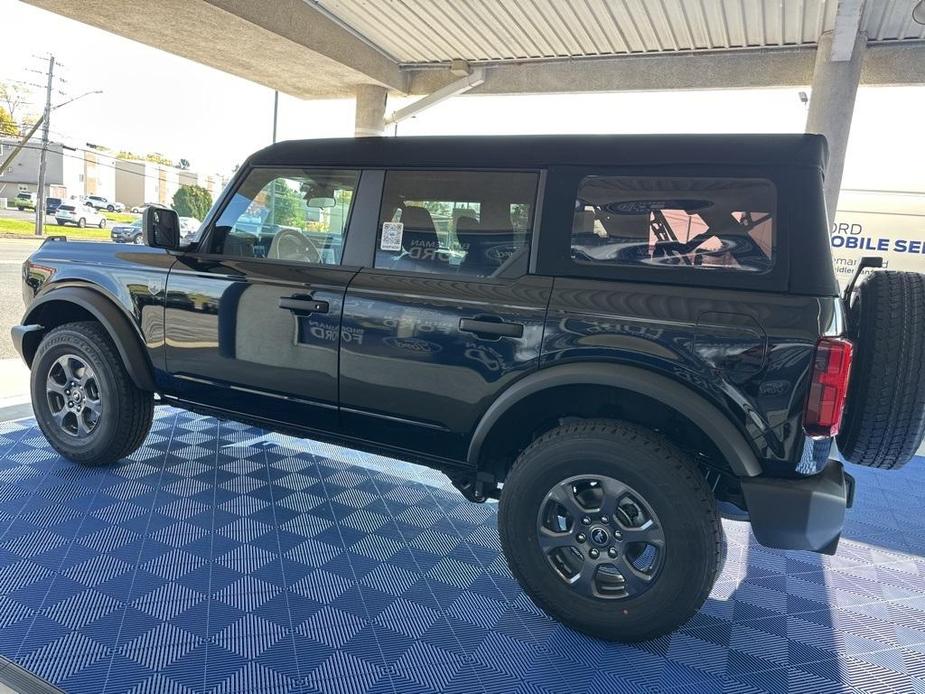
[(119, 326), (728, 439)]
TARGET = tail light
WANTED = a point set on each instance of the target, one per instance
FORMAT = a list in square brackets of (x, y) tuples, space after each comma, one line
[(828, 387)]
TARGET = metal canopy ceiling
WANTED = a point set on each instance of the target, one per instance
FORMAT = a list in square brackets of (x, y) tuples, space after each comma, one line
[(424, 32)]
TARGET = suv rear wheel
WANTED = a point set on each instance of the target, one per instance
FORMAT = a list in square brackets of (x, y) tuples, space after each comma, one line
[(85, 402), (611, 529)]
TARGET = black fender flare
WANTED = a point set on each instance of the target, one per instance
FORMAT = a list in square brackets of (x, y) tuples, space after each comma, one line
[(728, 439), (124, 335)]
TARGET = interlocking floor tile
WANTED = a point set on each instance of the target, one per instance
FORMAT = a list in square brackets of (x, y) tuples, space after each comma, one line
[(222, 559)]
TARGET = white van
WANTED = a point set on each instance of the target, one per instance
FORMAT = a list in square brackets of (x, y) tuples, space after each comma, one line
[(889, 224)]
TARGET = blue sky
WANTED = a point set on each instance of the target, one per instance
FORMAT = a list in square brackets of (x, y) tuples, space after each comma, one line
[(215, 120)]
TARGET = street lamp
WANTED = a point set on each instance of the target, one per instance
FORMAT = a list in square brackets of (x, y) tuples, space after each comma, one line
[(81, 96)]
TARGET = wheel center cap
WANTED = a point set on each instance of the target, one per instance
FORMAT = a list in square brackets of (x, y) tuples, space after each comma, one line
[(600, 536)]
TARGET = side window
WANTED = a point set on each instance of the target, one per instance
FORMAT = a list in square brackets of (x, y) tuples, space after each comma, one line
[(299, 215), (464, 223), (708, 223)]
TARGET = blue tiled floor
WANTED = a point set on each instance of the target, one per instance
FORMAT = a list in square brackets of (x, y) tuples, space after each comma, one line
[(222, 559)]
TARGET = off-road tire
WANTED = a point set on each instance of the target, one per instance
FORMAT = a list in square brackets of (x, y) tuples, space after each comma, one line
[(673, 486), (884, 418), (127, 410)]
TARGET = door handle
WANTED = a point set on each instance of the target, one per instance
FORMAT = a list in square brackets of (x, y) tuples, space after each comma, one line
[(491, 327), (300, 304)]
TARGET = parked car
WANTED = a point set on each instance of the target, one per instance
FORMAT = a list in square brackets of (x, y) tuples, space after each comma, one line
[(127, 233), (51, 205), (621, 338), (100, 203), (138, 209), (80, 215), (25, 201)]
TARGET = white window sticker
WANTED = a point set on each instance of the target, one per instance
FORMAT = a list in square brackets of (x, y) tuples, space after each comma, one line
[(391, 236)]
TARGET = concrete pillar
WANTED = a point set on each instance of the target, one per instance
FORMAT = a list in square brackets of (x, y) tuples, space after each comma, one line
[(370, 110), (831, 107)]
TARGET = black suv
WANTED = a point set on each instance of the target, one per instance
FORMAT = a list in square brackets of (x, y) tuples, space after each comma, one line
[(621, 338)]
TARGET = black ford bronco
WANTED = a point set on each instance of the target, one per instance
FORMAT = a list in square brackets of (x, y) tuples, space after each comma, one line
[(621, 338)]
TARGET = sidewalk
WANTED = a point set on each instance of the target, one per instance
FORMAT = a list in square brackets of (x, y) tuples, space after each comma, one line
[(14, 390)]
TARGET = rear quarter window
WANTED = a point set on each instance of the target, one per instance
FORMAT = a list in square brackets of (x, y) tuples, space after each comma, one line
[(708, 224)]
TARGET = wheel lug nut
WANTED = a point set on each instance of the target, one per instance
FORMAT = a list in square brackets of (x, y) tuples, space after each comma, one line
[(612, 552), (586, 520), (594, 554), (605, 519), (580, 537)]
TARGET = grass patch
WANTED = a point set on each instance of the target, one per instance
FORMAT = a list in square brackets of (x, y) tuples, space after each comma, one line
[(120, 217), (22, 228), (17, 225)]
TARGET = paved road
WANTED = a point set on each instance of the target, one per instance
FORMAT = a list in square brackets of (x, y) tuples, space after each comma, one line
[(25, 215), (12, 253)]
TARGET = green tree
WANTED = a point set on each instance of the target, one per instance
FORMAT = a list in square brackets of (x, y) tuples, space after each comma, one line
[(286, 205), (14, 98), (7, 124), (192, 201)]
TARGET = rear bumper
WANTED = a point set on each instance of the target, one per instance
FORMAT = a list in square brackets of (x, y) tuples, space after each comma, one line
[(805, 513)]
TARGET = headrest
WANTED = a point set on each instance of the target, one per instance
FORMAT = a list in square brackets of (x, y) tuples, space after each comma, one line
[(584, 222), (417, 219), (467, 223)]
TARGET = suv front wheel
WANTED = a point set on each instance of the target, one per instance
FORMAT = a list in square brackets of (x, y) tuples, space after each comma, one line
[(611, 529), (84, 400)]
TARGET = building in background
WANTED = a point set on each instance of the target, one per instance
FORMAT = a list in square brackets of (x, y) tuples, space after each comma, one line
[(140, 182), (74, 173), (66, 171), (70, 172)]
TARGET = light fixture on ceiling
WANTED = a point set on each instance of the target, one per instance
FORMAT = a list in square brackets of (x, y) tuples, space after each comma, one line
[(918, 12)]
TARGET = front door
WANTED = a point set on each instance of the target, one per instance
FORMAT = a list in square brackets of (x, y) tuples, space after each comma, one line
[(253, 316), (447, 318)]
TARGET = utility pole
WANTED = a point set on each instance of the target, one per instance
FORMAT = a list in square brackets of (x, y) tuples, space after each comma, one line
[(40, 196)]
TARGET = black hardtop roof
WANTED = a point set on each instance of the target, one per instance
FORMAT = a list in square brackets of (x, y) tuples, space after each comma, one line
[(537, 151)]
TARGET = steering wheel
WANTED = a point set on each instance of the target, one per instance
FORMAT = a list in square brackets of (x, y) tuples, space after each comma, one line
[(292, 244)]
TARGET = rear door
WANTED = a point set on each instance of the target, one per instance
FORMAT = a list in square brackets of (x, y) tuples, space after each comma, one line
[(446, 317), (253, 317)]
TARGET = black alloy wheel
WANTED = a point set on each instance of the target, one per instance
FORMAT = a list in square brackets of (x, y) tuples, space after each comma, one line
[(601, 537)]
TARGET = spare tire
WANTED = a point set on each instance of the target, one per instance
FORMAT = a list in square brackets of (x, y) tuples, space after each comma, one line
[(884, 418)]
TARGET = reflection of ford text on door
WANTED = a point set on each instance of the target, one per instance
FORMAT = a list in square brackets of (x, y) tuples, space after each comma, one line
[(260, 312), (448, 317)]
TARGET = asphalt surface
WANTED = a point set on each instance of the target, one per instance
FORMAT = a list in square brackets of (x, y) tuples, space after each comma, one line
[(26, 216), (12, 254)]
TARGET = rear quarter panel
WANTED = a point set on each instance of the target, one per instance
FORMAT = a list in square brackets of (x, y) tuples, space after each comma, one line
[(749, 353)]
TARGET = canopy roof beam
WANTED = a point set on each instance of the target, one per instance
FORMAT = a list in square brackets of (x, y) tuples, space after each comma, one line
[(459, 86)]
